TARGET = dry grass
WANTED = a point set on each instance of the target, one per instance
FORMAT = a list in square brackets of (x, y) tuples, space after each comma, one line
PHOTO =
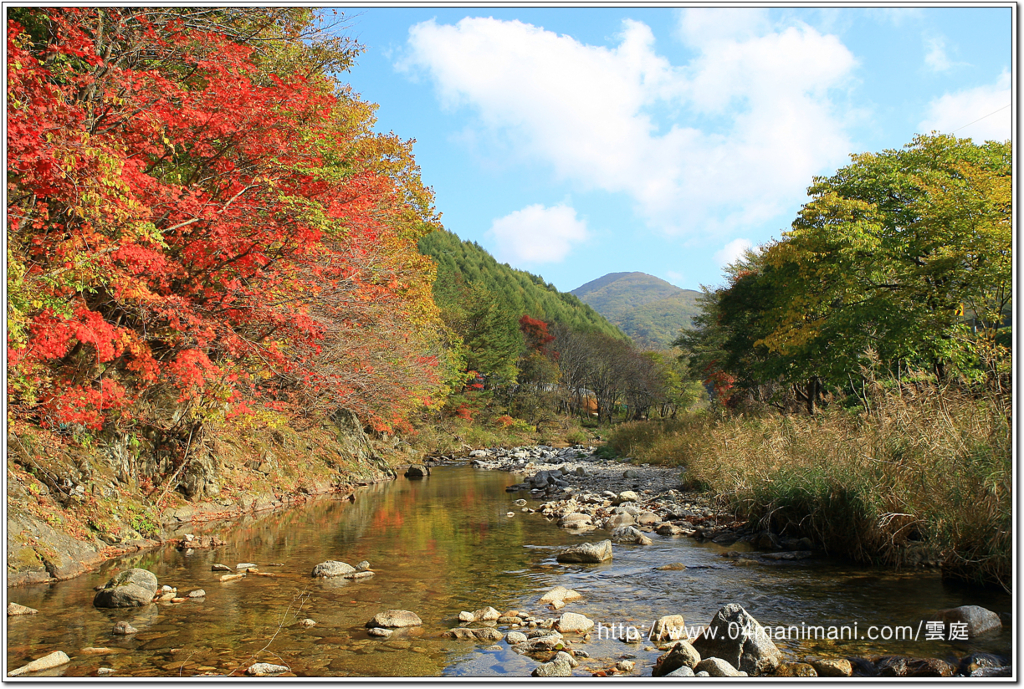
[(926, 474)]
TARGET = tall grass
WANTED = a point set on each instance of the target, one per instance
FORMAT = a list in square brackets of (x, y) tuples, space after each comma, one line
[(925, 474)]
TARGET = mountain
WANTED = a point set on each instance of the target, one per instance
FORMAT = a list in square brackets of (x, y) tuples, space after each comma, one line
[(467, 264), (648, 309)]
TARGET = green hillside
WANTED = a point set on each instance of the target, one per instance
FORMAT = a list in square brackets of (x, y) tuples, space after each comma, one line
[(646, 308), (466, 267)]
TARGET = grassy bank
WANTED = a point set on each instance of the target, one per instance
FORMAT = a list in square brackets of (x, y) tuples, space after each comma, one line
[(921, 475)]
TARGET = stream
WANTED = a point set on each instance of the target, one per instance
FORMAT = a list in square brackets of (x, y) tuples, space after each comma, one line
[(439, 546)]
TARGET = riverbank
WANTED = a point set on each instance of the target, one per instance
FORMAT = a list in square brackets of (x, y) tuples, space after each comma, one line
[(920, 478), (73, 506)]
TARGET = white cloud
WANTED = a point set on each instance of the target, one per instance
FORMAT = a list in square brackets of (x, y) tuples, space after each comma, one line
[(897, 16), (760, 96), (936, 59), (537, 234), (732, 251), (982, 113)]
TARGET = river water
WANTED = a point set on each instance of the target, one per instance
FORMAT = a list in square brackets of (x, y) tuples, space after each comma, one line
[(439, 546)]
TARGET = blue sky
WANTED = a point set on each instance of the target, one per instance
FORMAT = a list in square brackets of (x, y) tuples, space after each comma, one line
[(575, 142)]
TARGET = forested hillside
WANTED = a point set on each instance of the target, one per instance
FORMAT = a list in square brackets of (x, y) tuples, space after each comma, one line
[(648, 309)]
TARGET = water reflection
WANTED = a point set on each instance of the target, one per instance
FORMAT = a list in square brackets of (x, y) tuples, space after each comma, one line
[(438, 546)]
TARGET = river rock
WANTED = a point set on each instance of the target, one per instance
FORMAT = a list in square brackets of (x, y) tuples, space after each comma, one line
[(682, 654), (366, 574), (129, 589), (648, 519), (417, 471), (682, 671), (246, 565), (670, 530), (466, 616), (716, 667), (587, 552), (571, 622), (548, 642), (265, 670), (831, 667), (978, 620), (362, 566), (669, 627), (52, 660), (395, 618), (1006, 671), (560, 666), (123, 627), (474, 634), (220, 568), (514, 638), (198, 593), (929, 667), (977, 661), (560, 593), (332, 568), (13, 609), (487, 614), (795, 670), (379, 632), (619, 520), (627, 495), (576, 520), (754, 652), (307, 623), (630, 535)]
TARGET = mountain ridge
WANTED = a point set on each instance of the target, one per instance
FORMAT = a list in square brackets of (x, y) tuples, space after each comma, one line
[(650, 310)]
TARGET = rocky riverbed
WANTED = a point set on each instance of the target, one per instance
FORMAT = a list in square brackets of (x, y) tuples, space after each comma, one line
[(582, 566)]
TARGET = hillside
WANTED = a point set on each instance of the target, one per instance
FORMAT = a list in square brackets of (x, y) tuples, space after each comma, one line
[(646, 308), (468, 265)]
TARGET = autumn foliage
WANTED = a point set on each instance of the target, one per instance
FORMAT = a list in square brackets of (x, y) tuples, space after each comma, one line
[(194, 207)]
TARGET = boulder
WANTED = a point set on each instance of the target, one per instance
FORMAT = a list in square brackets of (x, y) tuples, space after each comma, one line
[(670, 530), (669, 627), (123, 627), (515, 638), (13, 609), (752, 651), (716, 667), (265, 670), (648, 519), (587, 552), (618, 520), (978, 620), (560, 593), (682, 671), (571, 622), (560, 666), (795, 670), (477, 634), (831, 667), (487, 614), (929, 667), (682, 654), (630, 535), (52, 660), (417, 471), (576, 520), (978, 661), (395, 618), (130, 589), (332, 568)]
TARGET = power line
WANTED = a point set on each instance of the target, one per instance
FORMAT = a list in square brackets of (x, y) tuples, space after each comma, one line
[(981, 118)]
